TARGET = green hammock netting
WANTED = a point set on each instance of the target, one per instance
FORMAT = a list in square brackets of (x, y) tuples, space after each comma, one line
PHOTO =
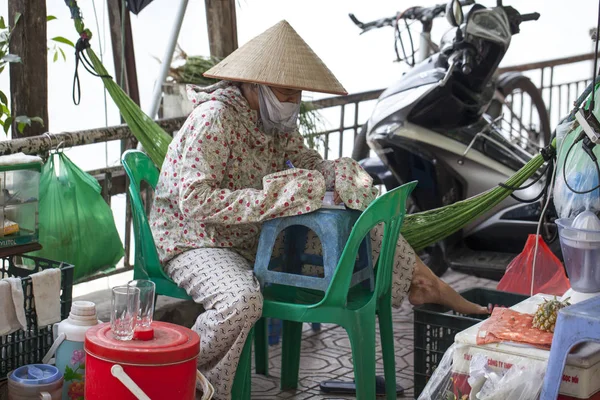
[(420, 229)]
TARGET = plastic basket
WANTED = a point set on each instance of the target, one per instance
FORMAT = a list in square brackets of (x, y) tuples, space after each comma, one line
[(435, 327), (29, 346)]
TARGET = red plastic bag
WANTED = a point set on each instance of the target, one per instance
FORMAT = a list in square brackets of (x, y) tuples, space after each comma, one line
[(549, 277)]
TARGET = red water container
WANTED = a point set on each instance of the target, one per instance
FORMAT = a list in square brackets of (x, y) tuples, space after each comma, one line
[(164, 368)]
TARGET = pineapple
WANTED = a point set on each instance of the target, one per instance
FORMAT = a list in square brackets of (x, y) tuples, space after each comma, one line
[(546, 314)]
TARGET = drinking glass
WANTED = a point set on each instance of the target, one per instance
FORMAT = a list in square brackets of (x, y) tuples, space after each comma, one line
[(146, 310), (125, 305)]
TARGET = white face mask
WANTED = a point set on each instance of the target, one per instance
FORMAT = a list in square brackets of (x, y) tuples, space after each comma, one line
[(277, 117)]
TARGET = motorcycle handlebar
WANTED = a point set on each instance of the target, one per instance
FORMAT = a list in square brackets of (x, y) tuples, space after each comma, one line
[(467, 63), (418, 13), (530, 17)]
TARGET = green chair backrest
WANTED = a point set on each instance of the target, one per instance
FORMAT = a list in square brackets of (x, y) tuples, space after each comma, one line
[(390, 210), (140, 168)]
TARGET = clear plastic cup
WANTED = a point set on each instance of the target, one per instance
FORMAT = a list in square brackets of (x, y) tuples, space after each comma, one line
[(125, 305), (146, 310)]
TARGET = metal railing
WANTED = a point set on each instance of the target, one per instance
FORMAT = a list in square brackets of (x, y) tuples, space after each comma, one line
[(346, 110)]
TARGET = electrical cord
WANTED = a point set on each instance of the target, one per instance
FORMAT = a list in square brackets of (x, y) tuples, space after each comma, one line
[(549, 168), (549, 155), (588, 149), (537, 233), (513, 188)]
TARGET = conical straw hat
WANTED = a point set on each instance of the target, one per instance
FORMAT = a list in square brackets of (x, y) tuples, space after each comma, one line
[(278, 57)]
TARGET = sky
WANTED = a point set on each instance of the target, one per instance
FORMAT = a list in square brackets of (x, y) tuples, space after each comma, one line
[(360, 62)]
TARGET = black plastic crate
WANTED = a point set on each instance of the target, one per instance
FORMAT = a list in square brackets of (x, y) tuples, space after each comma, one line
[(436, 326), (30, 346)]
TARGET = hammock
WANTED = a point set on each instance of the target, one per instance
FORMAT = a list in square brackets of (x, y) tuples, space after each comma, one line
[(420, 229)]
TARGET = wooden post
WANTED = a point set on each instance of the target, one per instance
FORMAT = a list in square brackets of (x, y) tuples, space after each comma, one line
[(29, 79), (222, 27), (120, 30)]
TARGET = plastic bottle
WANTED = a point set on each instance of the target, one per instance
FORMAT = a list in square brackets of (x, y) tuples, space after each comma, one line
[(68, 344)]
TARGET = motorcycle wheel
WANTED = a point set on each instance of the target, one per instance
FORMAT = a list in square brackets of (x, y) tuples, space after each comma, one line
[(514, 84)]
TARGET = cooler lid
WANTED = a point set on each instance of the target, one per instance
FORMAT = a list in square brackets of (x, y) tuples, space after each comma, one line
[(36, 374), (171, 344)]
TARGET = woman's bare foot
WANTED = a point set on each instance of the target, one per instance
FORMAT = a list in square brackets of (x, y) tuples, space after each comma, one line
[(426, 287)]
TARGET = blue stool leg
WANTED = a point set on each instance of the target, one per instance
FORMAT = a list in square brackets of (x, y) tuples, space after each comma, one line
[(571, 331), (316, 327)]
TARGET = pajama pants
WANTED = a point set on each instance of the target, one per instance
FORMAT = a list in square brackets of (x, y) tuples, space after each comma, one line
[(223, 283)]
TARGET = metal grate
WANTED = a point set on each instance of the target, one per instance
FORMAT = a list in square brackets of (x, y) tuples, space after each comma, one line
[(29, 346)]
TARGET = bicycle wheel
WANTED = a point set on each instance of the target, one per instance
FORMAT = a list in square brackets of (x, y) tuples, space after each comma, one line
[(525, 118)]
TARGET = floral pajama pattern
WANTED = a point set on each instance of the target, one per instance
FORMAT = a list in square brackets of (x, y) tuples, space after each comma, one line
[(222, 177)]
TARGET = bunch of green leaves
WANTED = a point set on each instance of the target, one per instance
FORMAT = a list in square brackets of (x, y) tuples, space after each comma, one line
[(56, 42), (191, 68)]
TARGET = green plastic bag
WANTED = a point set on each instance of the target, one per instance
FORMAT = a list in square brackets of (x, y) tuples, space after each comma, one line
[(76, 225)]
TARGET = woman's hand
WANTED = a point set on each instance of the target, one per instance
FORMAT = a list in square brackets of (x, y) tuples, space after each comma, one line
[(426, 287), (336, 198)]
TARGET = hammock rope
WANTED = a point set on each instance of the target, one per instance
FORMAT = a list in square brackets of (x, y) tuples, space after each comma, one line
[(420, 230)]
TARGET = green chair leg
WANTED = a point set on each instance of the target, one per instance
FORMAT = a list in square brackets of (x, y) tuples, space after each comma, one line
[(387, 348), (242, 381), (290, 354), (362, 340), (261, 347)]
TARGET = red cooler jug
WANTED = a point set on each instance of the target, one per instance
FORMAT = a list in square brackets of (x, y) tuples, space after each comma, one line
[(163, 368)]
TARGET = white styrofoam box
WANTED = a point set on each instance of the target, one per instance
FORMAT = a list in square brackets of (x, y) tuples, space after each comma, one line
[(581, 376)]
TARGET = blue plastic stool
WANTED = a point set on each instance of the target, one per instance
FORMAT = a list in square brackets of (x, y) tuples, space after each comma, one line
[(332, 227), (575, 324)]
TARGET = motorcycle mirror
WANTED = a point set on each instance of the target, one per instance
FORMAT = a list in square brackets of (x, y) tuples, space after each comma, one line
[(454, 13)]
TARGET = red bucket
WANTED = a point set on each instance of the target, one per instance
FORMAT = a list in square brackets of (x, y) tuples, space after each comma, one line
[(163, 367)]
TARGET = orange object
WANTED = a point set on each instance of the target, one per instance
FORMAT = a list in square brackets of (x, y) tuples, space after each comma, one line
[(10, 227), (506, 325), (550, 277)]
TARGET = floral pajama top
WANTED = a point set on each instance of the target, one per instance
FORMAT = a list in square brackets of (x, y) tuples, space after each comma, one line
[(222, 177)]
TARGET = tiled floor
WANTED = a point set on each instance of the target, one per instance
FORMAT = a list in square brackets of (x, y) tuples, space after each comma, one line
[(327, 355)]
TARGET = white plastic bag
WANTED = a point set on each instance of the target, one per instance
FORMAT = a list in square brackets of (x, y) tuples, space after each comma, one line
[(440, 385), (522, 381)]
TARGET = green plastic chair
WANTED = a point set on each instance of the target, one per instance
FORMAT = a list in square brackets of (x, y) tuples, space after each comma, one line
[(352, 308), (139, 168)]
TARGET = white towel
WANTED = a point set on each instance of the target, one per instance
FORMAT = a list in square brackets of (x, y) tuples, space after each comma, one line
[(46, 294), (12, 317)]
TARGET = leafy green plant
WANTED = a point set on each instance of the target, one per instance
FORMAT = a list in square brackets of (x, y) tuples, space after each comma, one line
[(6, 118), (56, 49), (191, 68), (311, 125)]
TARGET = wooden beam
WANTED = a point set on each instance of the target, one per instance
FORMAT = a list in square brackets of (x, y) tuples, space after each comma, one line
[(122, 39), (29, 79), (126, 76), (222, 27), (114, 23)]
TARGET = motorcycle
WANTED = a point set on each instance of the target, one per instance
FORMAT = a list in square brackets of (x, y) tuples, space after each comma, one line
[(445, 124)]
